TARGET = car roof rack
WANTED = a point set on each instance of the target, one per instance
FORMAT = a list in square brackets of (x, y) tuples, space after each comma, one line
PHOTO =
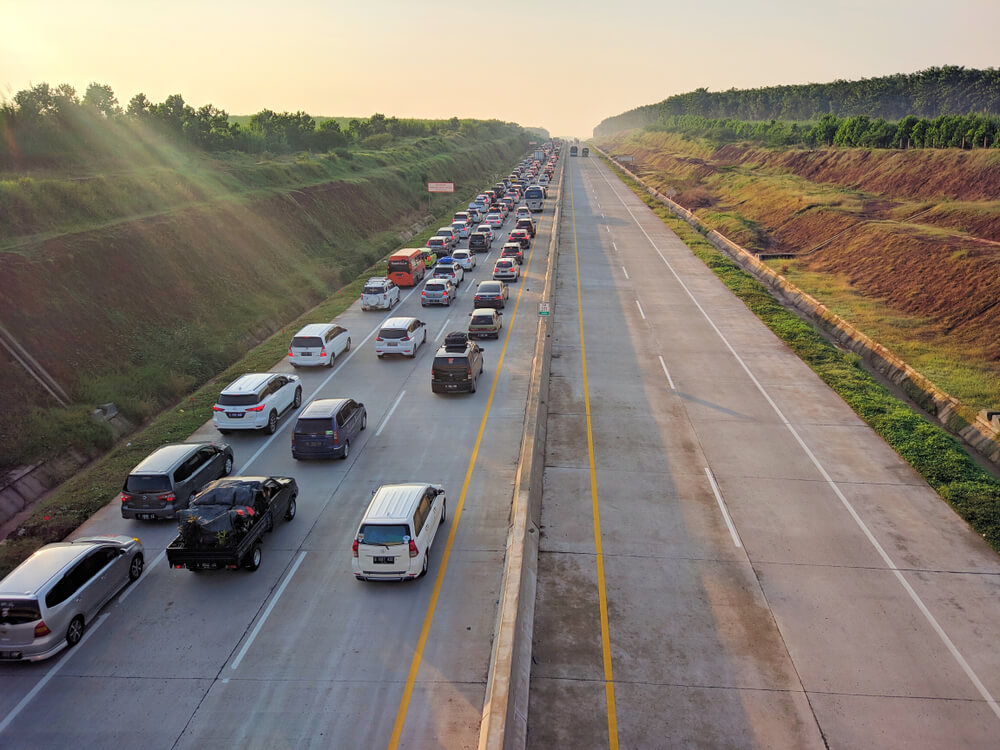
[(456, 340)]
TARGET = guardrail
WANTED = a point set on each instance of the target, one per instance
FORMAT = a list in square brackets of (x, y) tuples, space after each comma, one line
[(980, 433), (505, 711)]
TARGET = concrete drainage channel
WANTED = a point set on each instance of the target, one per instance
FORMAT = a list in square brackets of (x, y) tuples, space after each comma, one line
[(505, 711)]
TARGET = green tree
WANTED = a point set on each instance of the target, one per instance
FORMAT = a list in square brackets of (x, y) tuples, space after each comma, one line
[(101, 98)]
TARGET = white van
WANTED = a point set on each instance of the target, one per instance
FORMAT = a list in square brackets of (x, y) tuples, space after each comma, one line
[(397, 531), (318, 344)]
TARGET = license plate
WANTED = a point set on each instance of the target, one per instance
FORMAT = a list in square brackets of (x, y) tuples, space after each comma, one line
[(392, 343), (306, 354), (234, 414), (383, 560), (207, 565), (10, 654), (146, 516), (314, 444)]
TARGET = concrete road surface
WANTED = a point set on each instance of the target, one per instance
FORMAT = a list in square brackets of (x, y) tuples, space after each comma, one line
[(735, 560), (299, 654)]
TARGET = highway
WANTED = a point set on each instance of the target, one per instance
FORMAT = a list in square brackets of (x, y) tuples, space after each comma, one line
[(299, 654), (729, 557)]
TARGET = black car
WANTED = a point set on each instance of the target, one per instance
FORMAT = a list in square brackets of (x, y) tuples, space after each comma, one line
[(326, 427), (457, 365), (491, 294), (479, 242), (165, 480)]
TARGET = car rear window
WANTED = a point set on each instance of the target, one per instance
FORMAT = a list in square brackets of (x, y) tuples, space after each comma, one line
[(482, 320), (378, 533), (488, 288), (374, 289), (144, 483), (402, 266), (391, 333), (313, 426), (434, 287), (237, 399), (19, 611), (451, 362), (307, 342)]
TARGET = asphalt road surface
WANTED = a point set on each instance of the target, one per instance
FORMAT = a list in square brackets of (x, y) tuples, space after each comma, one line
[(729, 557), (299, 654)]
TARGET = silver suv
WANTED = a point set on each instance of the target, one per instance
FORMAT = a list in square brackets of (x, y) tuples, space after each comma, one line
[(47, 601)]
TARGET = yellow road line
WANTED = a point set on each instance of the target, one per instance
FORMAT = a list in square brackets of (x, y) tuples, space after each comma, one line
[(411, 677), (609, 683)]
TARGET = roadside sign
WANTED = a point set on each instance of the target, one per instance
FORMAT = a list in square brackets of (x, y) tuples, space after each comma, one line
[(544, 308), (625, 158), (440, 187)]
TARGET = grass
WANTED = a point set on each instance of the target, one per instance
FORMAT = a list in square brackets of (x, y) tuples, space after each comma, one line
[(88, 491), (937, 456)]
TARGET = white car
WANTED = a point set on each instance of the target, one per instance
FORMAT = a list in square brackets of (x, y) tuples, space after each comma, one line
[(379, 293), (400, 336), (487, 230), (318, 344), (464, 228), (506, 269), (255, 401), (523, 212), (465, 259), (449, 270), (495, 220)]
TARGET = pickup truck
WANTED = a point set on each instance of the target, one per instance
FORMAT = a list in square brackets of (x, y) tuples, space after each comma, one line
[(379, 293), (224, 525)]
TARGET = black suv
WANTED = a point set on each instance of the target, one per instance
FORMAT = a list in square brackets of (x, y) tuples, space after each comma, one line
[(479, 242), (457, 365)]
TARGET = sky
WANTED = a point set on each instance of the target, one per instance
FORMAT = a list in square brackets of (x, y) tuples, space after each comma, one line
[(558, 64)]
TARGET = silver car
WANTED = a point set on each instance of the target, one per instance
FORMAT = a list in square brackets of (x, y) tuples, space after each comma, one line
[(47, 601)]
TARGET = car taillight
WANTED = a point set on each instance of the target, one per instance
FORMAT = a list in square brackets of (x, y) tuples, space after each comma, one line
[(322, 352), (379, 338), (405, 338), (217, 408), (423, 294), (256, 408), (125, 498), (354, 548), (41, 629), (336, 436), (413, 549), (290, 354), (168, 498)]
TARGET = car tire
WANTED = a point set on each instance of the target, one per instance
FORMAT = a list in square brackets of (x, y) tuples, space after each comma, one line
[(379, 355), (333, 358), (222, 431), (135, 567), (473, 388), (272, 422), (364, 420), (75, 631), (423, 569), (292, 508), (348, 344), (297, 401), (444, 513), (253, 559), (228, 468), (448, 303), (347, 450)]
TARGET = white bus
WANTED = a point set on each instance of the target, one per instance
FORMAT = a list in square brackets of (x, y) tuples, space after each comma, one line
[(534, 196)]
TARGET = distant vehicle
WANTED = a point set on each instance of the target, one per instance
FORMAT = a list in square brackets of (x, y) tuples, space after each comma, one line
[(485, 323), (491, 294), (480, 242), (523, 212), (326, 427), (318, 344), (495, 220), (464, 228), (526, 223), (255, 401), (406, 267), (447, 268), (379, 293), (506, 269), (534, 196), (225, 524), (465, 258), (512, 250), (400, 336), (438, 292), (439, 245), (521, 237), (163, 482), (429, 257), (451, 236), (585, 152), (572, 150), (48, 601), (487, 229)]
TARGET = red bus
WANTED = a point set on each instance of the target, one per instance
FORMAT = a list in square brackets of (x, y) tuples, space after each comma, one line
[(406, 267)]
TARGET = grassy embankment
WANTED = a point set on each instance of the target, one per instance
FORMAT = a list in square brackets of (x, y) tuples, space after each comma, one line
[(930, 450), (324, 246), (902, 244), (136, 287)]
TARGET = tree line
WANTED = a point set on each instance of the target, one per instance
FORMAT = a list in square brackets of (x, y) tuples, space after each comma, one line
[(51, 124), (930, 93), (861, 131)]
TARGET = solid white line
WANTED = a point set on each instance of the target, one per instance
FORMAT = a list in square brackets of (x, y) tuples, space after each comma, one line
[(355, 348), (722, 506), (625, 272), (385, 420), (640, 309), (446, 322), (48, 676), (267, 612), (145, 572), (667, 373), (952, 649)]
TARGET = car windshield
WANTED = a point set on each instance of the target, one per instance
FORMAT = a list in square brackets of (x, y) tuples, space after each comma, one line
[(143, 483), (378, 533)]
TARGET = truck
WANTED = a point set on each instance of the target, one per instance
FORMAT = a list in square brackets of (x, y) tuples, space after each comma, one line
[(572, 150), (379, 293), (225, 523), (539, 155)]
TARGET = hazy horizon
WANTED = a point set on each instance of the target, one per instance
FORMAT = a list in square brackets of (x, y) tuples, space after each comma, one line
[(560, 65)]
